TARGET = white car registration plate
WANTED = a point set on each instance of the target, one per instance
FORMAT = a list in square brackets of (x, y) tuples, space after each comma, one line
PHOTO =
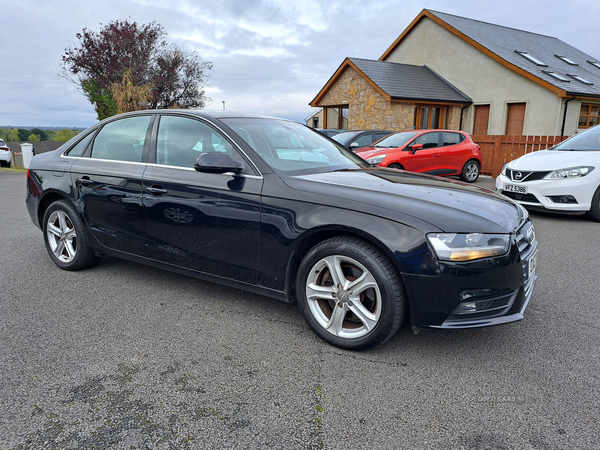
[(515, 188)]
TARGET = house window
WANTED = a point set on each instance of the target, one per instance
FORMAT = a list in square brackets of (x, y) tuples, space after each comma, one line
[(556, 75), (336, 117), (595, 64), (430, 117), (515, 119), (532, 58), (589, 115), (567, 60), (578, 78), (481, 120), (315, 123)]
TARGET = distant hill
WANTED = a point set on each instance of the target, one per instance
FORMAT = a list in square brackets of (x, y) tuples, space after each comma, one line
[(29, 127)]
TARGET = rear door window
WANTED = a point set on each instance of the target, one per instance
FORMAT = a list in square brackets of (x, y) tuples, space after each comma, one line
[(122, 140), (451, 139)]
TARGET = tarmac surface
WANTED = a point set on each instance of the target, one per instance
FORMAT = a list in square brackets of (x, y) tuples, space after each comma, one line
[(126, 356)]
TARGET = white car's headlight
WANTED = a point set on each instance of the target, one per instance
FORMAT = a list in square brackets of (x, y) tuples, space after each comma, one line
[(573, 172), (376, 159), (467, 247)]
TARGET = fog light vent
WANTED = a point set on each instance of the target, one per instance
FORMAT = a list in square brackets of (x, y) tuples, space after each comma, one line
[(562, 199), (474, 307)]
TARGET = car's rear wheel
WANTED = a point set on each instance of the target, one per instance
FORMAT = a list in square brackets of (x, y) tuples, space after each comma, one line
[(594, 212), (350, 294), (65, 238), (470, 172)]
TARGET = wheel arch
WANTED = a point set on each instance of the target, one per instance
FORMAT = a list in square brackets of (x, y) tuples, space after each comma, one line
[(46, 200), (314, 237)]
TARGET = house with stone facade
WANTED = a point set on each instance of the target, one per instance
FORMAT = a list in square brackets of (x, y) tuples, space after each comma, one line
[(446, 71)]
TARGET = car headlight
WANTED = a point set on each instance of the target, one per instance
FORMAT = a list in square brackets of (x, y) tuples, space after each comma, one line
[(503, 170), (573, 172), (374, 160), (468, 247)]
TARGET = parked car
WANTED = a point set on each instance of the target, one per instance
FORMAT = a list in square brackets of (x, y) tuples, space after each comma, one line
[(563, 179), (5, 154), (329, 131), (436, 152), (355, 140), (273, 207)]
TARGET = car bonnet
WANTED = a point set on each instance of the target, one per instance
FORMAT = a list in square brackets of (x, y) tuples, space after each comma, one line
[(545, 160), (447, 205)]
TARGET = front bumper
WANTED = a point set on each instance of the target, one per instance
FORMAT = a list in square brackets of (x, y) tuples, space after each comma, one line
[(568, 195), (481, 293)]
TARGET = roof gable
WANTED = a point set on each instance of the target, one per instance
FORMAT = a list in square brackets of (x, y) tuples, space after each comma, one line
[(503, 44), (401, 82)]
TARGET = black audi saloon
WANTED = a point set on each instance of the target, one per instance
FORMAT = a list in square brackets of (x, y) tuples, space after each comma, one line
[(275, 208)]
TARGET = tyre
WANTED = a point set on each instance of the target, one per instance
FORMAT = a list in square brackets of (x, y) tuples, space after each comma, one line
[(65, 239), (349, 293), (594, 212), (470, 172), (396, 166)]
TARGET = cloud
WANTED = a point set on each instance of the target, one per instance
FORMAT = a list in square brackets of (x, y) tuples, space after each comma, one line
[(269, 56)]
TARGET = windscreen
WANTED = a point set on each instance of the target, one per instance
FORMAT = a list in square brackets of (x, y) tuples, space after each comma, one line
[(396, 140), (292, 148), (586, 141)]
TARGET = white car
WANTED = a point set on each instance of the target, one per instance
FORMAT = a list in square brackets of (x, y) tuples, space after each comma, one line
[(5, 154), (564, 179)]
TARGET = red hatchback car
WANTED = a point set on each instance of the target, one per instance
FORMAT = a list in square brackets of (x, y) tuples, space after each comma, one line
[(436, 152)]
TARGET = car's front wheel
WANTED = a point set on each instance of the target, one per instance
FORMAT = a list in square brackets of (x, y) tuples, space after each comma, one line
[(65, 238), (470, 172), (349, 293)]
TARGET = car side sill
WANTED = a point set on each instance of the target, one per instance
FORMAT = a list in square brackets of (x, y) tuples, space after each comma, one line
[(279, 295)]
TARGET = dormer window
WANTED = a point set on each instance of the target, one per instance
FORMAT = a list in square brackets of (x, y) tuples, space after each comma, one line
[(595, 64), (556, 75), (531, 58), (567, 60)]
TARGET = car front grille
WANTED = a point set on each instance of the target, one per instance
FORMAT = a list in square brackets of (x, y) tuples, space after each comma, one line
[(520, 176), (530, 198), (527, 248)]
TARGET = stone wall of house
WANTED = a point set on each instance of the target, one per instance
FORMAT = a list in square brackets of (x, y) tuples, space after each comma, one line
[(368, 109)]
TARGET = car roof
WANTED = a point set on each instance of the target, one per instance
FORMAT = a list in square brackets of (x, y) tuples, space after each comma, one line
[(205, 113)]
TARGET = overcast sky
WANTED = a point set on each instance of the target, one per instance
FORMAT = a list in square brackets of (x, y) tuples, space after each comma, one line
[(269, 56)]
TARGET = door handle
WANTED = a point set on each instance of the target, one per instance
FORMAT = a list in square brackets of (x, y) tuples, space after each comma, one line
[(85, 181), (157, 190)]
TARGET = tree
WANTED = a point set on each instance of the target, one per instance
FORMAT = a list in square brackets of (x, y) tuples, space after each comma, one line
[(9, 134), (33, 138), (41, 133), (23, 134), (64, 135), (102, 59), (129, 97)]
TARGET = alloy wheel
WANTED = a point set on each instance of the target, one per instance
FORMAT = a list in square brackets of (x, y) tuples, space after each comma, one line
[(343, 297), (62, 236)]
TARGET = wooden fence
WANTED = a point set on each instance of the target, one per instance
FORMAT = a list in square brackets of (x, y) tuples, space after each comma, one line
[(499, 150)]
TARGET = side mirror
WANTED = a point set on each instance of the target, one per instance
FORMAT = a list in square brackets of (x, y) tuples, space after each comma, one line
[(415, 147), (216, 162), (353, 145)]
